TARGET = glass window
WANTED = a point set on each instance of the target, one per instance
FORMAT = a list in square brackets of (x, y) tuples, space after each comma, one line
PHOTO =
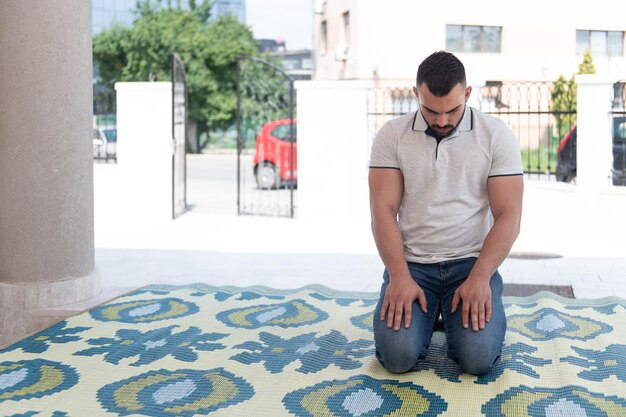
[(283, 132), (290, 64), (471, 39), (619, 95), (111, 135), (346, 28), (323, 37), (491, 39), (454, 34), (616, 43), (600, 43), (620, 130), (582, 41), (461, 38), (307, 63)]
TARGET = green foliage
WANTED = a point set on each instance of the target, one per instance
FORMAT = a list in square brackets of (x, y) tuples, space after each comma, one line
[(587, 66), (208, 49), (541, 159), (564, 96), (564, 103)]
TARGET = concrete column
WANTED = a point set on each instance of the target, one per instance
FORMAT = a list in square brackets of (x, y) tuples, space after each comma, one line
[(594, 132), (46, 171)]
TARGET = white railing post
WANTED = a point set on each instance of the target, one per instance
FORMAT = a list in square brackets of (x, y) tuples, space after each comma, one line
[(144, 149), (594, 132), (332, 149)]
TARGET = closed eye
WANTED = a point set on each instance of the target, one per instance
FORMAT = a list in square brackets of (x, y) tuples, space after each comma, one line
[(431, 111)]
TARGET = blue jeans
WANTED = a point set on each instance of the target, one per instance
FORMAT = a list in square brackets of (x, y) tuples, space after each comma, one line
[(476, 352)]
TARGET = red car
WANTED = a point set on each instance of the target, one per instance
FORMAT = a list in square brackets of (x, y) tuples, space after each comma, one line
[(273, 157)]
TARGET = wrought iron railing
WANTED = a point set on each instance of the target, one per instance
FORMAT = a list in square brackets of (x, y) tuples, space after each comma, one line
[(540, 114)]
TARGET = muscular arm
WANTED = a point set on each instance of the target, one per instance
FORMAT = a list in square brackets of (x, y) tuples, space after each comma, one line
[(386, 189), (505, 200)]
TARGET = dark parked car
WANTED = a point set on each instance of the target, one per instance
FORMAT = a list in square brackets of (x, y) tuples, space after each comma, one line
[(566, 163)]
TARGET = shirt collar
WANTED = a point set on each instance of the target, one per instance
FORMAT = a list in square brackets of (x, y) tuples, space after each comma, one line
[(465, 125)]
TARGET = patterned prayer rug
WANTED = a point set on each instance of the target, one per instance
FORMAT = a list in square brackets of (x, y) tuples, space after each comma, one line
[(224, 351)]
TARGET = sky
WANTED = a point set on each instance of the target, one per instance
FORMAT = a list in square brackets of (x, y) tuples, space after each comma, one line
[(288, 20)]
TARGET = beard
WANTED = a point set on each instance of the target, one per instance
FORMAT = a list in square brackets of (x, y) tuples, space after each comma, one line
[(442, 130)]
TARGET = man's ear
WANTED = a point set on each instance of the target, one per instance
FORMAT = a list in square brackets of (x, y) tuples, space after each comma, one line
[(468, 92), (417, 96)]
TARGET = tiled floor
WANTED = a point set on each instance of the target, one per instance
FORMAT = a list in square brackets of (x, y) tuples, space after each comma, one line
[(591, 277), (211, 244)]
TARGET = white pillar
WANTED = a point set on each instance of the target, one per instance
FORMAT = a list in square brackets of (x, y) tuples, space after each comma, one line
[(144, 150), (594, 132), (333, 149), (46, 166)]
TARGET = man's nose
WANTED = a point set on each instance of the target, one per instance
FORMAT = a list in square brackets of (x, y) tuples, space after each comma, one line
[(441, 120)]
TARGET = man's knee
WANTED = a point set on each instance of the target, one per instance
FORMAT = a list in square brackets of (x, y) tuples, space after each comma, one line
[(478, 366), (478, 358), (399, 351), (398, 360)]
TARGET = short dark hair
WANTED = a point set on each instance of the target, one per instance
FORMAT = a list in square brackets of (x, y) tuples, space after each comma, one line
[(441, 71)]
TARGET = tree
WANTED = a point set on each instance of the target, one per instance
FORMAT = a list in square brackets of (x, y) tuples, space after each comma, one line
[(564, 96), (208, 49), (586, 66)]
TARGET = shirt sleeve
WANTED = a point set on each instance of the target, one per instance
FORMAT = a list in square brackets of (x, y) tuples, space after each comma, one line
[(506, 156), (385, 149)]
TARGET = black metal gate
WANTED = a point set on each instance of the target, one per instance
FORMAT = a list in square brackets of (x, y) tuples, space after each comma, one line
[(179, 152), (266, 140)]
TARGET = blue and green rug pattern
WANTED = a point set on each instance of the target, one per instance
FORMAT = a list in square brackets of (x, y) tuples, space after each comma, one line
[(225, 351)]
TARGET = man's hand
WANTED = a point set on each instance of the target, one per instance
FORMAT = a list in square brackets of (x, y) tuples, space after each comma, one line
[(399, 297), (475, 296)]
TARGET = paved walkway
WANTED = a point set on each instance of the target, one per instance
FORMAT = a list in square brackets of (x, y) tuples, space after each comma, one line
[(211, 244)]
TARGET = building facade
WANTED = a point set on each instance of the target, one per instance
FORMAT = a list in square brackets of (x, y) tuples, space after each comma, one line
[(538, 41)]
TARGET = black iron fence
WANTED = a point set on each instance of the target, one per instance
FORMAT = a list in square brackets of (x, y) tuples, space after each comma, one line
[(539, 113), (386, 102)]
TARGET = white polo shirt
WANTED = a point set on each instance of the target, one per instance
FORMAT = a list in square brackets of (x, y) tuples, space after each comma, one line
[(444, 213)]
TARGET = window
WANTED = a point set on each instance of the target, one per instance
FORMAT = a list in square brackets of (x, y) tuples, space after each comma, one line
[(619, 96), (615, 43), (600, 43), (465, 38), (619, 133), (346, 29), (323, 37), (283, 132)]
